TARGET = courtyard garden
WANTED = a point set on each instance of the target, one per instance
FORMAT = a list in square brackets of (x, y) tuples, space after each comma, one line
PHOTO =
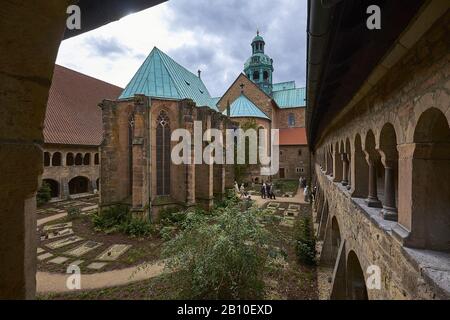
[(236, 251)]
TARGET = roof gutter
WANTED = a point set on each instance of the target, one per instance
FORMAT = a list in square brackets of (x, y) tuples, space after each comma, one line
[(320, 14)]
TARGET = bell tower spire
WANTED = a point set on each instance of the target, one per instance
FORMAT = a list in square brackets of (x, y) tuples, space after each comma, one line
[(259, 67)]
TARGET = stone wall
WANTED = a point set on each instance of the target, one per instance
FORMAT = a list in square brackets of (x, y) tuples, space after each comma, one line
[(63, 173), (283, 117), (293, 159)]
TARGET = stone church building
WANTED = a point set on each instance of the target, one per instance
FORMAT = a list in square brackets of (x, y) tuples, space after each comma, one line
[(136, 166)]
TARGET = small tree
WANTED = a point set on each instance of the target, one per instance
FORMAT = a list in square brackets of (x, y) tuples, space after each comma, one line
[(44, 194), (220, 256), (305, 241)]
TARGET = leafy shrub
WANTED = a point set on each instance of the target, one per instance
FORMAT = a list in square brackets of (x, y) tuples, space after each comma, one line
[(73, 211), (44, 194), (305, 241), (219, 256), (118, 219)]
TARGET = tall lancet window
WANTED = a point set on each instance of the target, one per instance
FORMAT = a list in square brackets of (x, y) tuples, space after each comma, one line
[(163, 155)]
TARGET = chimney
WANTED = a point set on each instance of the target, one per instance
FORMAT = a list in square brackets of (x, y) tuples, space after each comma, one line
[(228, 108), (199, 74)]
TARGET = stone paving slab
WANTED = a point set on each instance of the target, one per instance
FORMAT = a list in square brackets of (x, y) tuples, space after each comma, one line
[(39, 250), (113, 252), (58, 226), (97, 265), (45, 256), (58, 260), (57, 234), (63, 242), (76, 263), (86, 247)]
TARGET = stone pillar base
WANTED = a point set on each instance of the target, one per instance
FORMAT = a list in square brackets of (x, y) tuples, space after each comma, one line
[(389, 214), (373, 203)]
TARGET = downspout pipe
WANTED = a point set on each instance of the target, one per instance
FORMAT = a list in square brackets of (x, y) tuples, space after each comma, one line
[(320, 13)]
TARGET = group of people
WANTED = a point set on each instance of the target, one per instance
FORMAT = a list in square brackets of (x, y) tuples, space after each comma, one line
[(267, 191)]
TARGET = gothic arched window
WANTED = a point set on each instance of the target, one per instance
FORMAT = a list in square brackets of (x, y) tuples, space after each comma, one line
[(163, 154)]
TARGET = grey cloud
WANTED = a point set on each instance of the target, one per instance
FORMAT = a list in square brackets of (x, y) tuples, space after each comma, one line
[(107, 47), (282, 24)]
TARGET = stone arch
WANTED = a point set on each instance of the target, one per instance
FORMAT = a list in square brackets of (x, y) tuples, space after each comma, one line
[(54, 187), (356, 283), (46, 159), (430, 182), (389, 158), (97, 159), (57, 159), (79, 159), (87, 159), (78, 185), (323, 221), (359, 170), (348, 153), (70, 160)]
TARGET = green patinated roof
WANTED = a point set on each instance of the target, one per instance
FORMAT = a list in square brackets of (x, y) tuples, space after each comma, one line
[(283, 86), (258, 38), (243, 107), (162, 77), (290, 98)]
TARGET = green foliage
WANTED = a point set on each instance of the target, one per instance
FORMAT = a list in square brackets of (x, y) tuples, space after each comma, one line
[(305, 241), (118, 219), (286, 185), (220, 256), (73, 211), (44, 194)]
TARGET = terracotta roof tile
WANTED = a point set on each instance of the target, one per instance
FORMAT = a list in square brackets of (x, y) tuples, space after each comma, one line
[(293, 136), (73, 116)]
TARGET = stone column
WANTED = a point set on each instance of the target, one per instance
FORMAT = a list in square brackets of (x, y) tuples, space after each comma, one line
[(337, 166), (28, 56), (345, 170), (188, 118), (372, 199), (389, 206)]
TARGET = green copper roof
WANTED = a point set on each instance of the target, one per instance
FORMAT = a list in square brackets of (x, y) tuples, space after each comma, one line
[(243, 107), (258, 38), (162, 77), (290, 98), (283, 86)]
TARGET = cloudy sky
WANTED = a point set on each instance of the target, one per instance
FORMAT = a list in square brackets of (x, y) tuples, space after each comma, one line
[(211, 35)]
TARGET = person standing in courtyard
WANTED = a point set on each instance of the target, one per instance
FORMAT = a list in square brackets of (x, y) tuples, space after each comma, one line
[(263, 190)]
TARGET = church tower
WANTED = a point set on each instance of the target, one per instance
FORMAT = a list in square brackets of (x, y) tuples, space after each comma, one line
[(259, 67)]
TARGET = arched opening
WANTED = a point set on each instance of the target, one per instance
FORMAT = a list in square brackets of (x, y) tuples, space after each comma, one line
[(335, 238), (431, 182), (256, 75), (266, 76), (87, 159), (359, 171), (97, 183), (78, 159), (46, 159), (96, 159), (54, 187), (291, 120), (57, 159), (163, 154), (356, 284), (79, 185), (323, 222), (376, 172), (389, 159), (69, 159)]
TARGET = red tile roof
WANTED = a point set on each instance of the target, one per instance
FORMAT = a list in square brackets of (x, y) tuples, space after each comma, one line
[(73, 116), (293, 136)]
